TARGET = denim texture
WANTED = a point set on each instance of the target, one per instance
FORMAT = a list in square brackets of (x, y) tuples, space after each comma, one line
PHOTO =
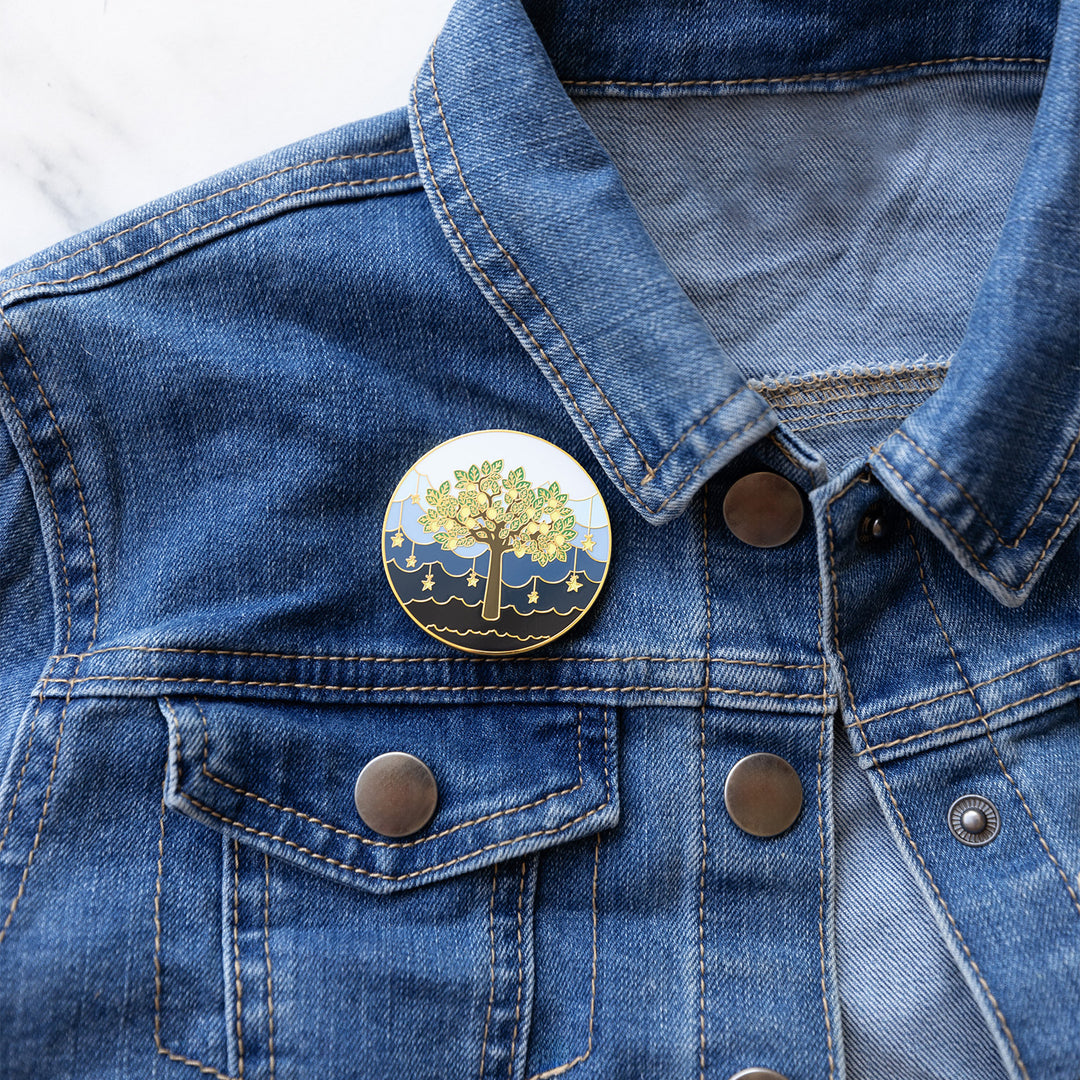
[(209, 400)]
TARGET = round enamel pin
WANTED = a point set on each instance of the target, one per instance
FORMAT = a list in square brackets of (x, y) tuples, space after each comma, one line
[(496, 542)]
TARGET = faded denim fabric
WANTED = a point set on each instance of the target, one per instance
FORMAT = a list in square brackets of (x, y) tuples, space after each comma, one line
[(683, 243)]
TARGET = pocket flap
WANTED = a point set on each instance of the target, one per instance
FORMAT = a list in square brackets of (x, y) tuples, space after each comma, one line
[(512, 778)]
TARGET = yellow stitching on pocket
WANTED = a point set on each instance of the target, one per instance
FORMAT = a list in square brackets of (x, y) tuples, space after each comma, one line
[(521, 970), (190, 799), (367, 840), (161, 1048), (236, 957), (491, 995), (269, 966), (560, 1069)]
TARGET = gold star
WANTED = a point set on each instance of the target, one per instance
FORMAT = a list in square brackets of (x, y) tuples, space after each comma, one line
[(534, 596), (398, 539), (573, 584), (414, 499), (411, 560), (588, 543), (429, 581), (473, 578)]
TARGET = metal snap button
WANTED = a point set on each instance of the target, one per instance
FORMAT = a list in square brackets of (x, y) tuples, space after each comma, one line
[(763, 794), (395, 794), (974, 820), (763, 509), (758, 1074), (876, 528)]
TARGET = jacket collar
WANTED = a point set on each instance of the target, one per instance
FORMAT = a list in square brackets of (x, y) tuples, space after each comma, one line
[(512, 171)]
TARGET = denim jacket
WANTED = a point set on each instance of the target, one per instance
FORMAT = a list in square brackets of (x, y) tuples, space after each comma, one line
[(685, 244)]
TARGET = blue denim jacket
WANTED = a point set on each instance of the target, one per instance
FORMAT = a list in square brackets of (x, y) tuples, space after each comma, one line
[(683, 243)]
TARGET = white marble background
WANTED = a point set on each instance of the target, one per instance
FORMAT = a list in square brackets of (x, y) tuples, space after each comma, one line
[(107, 104)]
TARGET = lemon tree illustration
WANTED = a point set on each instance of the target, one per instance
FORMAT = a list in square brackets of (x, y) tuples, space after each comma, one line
[(505, 514)]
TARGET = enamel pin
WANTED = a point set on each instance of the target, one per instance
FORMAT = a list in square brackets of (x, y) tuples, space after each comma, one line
[(496, 542)]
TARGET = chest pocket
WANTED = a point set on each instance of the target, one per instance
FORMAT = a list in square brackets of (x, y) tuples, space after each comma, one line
[(355, 954)]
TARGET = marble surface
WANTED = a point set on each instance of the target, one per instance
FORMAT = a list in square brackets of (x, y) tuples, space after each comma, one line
[(108, 104)]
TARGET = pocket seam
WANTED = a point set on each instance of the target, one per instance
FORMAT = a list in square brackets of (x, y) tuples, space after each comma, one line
[(192, 801), (367, 840), (558, 1070), (160, 1046)]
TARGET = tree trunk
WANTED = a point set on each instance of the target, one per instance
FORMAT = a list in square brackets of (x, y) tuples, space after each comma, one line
[(493, 588)]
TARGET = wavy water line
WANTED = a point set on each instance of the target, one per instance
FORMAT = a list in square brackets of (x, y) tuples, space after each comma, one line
[(503, 607), (484, 633)]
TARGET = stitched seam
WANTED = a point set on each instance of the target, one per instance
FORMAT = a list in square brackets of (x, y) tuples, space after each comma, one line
[(367, 840), (653, 470), (852, 420), (821, 835), (41, 822), (554, 830), (809, 414), (963, 723), (798, 465), (202, 199), (52, 504), (236, 957), (161, 1049), (945, 521), (211, 224), (701, 751), (866, 387), (560, 1069), (975, 686), (437, 659), (807, 402), (521, 971), (892, 796), (22, 774), (889, 374), (327, 686), (813, 76), (981, 716), (979, 510), (650, 472), (269, 966), (74, 474), (491, 993), (711, 454), (517, 269), (55, 659), (510, 308)]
